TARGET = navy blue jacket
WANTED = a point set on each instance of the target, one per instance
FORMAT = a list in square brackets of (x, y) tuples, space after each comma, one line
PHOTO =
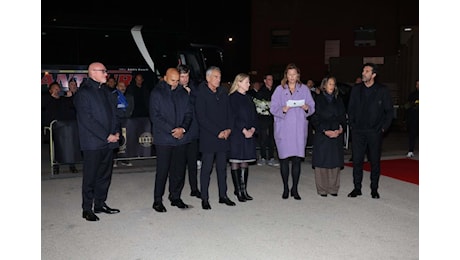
[(169, 109), (214, 115), (96, 116)]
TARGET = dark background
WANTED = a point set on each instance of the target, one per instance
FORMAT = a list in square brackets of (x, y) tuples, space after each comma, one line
[(100, 30)]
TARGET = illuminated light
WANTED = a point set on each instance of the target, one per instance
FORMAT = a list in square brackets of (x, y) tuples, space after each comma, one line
[(408, 29), (230, 39)]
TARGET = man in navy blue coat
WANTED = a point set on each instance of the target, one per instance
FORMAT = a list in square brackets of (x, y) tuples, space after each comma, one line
[(171, 115), (98, 129), (213, 112)]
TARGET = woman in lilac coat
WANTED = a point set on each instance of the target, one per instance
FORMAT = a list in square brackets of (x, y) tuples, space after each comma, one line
[(291, 104)]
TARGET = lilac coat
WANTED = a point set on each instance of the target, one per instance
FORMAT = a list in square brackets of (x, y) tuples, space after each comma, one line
[(291, 129)]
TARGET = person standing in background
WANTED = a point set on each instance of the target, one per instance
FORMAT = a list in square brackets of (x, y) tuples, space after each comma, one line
[(412, 119), (98, 129), (242, 140), (370, 113), (125, 107), (193, 133), (329, 120), (141, 94), (264, 133), (215, 119), (291, 104)]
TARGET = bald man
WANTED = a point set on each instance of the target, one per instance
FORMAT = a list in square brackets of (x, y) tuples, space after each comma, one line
[(171, 115), (98, 129)]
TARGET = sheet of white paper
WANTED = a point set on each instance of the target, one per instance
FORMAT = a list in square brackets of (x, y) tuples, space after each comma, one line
[(295, 103)]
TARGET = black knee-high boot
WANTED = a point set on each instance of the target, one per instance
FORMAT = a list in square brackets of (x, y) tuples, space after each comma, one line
[(236, 182), (284, 169), (244, 183), (295, 177)]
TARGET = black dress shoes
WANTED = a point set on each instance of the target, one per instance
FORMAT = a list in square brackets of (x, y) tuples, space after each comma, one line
[(323, 195), (354, 193), (205, 204), (334, 194), (226, 201), (90, 216), (375, 195), (179, 203), (159, 207), (195, 193), (106, 209)]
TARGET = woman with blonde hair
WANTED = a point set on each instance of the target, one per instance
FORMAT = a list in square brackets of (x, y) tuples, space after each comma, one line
[(242, 139)]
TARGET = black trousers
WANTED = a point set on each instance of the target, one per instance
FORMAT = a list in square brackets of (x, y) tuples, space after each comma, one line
[(192, 169), (266, 140), (372, 141), (97, 175), (207, 160), (170, 161)]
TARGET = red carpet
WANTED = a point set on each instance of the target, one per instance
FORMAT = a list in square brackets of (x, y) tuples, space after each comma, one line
[(401, 169)]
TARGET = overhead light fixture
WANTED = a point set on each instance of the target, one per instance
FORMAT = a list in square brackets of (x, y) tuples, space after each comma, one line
[(407, 29)]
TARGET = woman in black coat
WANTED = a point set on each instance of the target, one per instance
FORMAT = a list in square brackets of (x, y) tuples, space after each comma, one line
[(242, 139), (329, 122)]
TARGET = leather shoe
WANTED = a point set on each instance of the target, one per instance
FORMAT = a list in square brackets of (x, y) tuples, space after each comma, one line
[(354, 193), (159, 207), (195, 193), (334, 194), (323, 195), (90, 216), (295, 195), (226, 201), (205, 204), (179, 203), (375, 195), (106, 209)]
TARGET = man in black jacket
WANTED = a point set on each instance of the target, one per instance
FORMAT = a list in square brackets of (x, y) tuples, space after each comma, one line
[(370, 112), (171, 115), (98, 129)]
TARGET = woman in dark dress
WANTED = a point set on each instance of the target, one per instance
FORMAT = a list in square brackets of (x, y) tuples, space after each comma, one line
[(242, 139), (329, 122)]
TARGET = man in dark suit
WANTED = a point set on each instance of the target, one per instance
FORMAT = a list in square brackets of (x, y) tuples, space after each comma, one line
[(214, 117), (98, 129), (171, 115), (370, 113)]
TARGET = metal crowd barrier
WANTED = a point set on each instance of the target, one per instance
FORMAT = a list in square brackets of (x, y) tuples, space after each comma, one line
[(136, 142)]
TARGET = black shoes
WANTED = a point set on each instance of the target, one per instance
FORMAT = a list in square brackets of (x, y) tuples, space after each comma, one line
[(106, 209), (354, 193), (159, 207), (205, 204), (295, 194), (195, 193), (179, 203), (285, 194), (90, 216), (375, 194), (334, 194), (323, 195), (226, 201)]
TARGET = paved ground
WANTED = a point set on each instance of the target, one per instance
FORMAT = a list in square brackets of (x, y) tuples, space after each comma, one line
[(266, 228)]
